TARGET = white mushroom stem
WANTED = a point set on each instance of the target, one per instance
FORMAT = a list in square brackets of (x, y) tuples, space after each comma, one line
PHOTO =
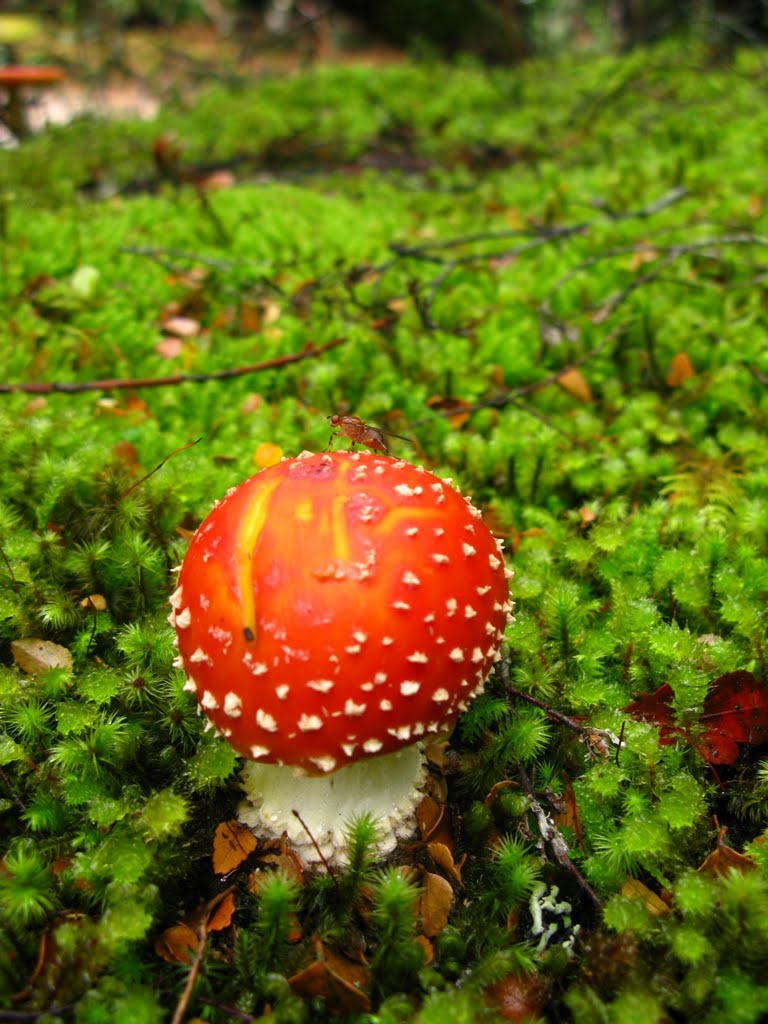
[(386, 787)]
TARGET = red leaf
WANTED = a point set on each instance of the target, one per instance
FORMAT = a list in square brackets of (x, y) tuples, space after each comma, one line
[(735, 711), (655, 707)]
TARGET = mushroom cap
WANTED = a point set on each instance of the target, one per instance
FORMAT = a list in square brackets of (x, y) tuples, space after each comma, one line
[(338, 606), (14, 75)]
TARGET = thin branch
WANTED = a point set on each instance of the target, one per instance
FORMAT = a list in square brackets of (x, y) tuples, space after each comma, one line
[(122, 384), (553, 837), (9, 567), (138, 483), (181, 1007)]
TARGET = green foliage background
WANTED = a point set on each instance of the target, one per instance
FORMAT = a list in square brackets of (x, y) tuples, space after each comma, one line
[(468, 234)]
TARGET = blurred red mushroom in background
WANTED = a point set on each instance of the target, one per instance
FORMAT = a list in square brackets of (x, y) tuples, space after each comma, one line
[(16, 80), (332, 611)]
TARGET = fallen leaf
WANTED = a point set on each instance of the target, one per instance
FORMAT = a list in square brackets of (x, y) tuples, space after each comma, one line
[(644, 253), (429, 814), (169, 348), (222, 916), (455, 410), (232, 844), (127, 453), (575, 384), (735, 711), (435, 904), (34, 656), (632, 889), (267, 454), (182, 326), (680, 370), (724, 859), (521, 997), (340, 982), (443, 858), (586, 517), (177, 944)]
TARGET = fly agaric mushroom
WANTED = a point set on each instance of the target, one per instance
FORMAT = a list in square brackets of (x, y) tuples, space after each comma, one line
[(331, 612)]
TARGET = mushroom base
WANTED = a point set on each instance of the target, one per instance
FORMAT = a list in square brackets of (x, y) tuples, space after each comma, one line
[(386, 787)]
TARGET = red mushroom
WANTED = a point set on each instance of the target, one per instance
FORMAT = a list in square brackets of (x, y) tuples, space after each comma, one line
[(331, 611), (14, 80)]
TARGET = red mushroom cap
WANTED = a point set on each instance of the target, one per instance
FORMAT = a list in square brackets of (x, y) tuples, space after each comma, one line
[(338, 606), (15, 75)]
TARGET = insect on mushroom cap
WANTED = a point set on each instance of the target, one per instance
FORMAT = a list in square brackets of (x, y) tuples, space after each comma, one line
[(338, 606)]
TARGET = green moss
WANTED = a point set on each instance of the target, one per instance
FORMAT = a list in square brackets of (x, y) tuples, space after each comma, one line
[(532, 221)]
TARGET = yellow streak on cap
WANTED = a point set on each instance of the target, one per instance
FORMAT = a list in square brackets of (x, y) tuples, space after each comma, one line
[(247, 539)]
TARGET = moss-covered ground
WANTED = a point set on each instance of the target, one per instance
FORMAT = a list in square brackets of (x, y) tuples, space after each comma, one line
[(553, 280)]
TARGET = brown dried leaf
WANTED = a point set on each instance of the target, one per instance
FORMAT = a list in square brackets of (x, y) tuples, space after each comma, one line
[(340, 982), (286, 859), (632, 889), (724, 859), (680, 370), (575, 384), (177, 945), (34, 656), (521, 997), (429, 814), (443, 858), (455, 410), (427, 949), (436, 900), (232, 844), (221, 918)]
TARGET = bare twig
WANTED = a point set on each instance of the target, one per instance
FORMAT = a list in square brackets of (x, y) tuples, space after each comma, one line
[(138, 483), (10, 569), (181, 1007), (122, 384), (202, 934), (553, 837)]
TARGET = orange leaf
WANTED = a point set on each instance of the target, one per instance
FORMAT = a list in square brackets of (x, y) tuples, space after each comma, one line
[(436, 900), (177, 944), (340, 982), (429, 814), (221, 918), (575, 384), (232, 844), (267, 454), (680, 370), (443, 857), (724, 859)]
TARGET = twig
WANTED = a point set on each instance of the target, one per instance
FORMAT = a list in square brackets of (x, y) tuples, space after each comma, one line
[(202, 934), (10, 569), (320, 854), (122, 384), (588, 733), (757, 374), (138, 483), (552, 836), (181, 1007)]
